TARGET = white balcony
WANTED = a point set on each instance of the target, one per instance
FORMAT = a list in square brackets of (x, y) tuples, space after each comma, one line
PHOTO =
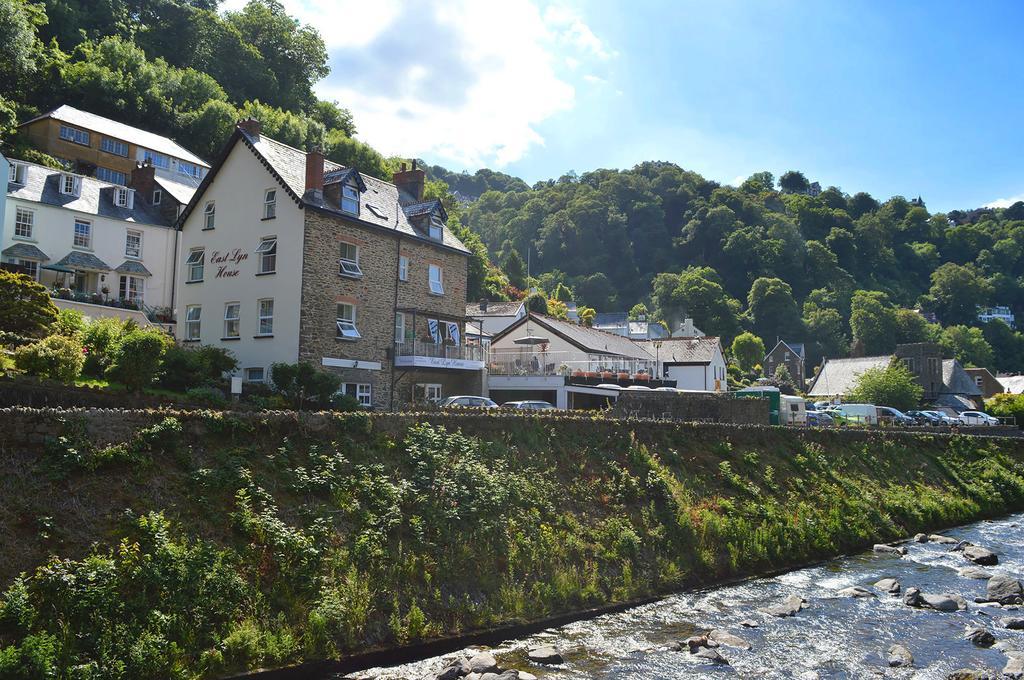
[(417, 354)]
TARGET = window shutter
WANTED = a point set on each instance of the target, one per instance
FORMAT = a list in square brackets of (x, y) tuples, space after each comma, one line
[(131, 199), (77, 186)]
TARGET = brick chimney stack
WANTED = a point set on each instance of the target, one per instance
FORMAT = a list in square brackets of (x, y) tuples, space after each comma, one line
[(250, 125), (143, 180), (411, 181), (315, 171)]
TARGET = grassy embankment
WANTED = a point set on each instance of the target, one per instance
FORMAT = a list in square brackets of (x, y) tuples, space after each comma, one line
[(207, 544)]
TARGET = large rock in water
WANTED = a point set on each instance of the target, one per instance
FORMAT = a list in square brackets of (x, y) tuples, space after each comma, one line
[(979, 555), (789, 607), (900, 657), (975, 573), (1004, 590), (455, 670), (855, 591), (970, 674), (711, 655), (941, 603), (1014, 667), (507, 675), (483, 662), (889, 585), (726, 638), (545, 654), (980, 637), (936, 538), (892, 549)]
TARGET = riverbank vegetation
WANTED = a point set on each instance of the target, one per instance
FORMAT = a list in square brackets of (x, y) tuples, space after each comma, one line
[(203, 544)]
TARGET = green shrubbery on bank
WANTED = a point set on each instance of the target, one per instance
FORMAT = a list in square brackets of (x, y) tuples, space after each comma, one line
[(204, 547)]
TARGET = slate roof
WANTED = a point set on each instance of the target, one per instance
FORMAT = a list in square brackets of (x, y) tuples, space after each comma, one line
[(76, 259), (25, 251), (42, 185), (611, 318), (796, 348), (132, 267), (955, 380), (343, 175), (589, 340), (126, 133), (181, 187), (838, 376), (494, 309), (290, 165), (1014, 384), (697, 350)]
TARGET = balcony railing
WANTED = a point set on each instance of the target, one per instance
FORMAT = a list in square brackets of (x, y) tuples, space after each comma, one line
[(434, 355), (571, 365)]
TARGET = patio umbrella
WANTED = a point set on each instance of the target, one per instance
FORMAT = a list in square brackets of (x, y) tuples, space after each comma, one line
[(530, 340)]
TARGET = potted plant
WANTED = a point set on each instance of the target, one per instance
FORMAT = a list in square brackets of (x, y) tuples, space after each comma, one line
[(623, 375), (578, 373), (591, 374), (643, 376), (606, 374)]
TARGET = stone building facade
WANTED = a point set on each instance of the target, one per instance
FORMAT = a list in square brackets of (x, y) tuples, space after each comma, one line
[(368, 282)]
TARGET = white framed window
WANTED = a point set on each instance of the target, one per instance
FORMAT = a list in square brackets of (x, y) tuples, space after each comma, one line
[(158, 196), (193, 316), (362, 392), (270, 204), (116, 147), (124, 198), (209, 215), (75, 135), (132, 288), (195, 263), (16, 173), (190, 169), (24, 221), (31, 267), (436, 278), (112, 176), (346, 322), (232, 311), (83, 233), (70, 185), (158, 160), (266, 316), (256, 374), (400, 326), (436, 228), (349, 199), (133, 244), (403, 268), (426, 391), (348, 265), (267, 253)]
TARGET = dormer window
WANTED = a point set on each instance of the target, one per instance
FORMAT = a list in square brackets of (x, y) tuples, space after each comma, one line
[(70, 185), (16, 173), (124, 198), (436, 228), (349, 199)]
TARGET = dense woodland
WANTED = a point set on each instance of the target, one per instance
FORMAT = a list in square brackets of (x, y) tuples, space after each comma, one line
[(841, 271)]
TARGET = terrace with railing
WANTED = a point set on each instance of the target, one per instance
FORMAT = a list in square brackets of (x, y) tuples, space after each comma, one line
[(418, 353), (577, 368)]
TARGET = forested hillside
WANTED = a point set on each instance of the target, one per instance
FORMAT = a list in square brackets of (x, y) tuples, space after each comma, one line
[(837, 270)]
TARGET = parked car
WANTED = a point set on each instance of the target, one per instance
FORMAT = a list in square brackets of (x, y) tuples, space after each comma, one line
[(820, 419), (926, 418), (858, 414), (528, 405), (463, 401), (892, 416), (835, 415), (977, 418), (823, 405)]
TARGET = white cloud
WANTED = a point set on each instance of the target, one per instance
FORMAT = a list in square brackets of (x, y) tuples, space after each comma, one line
[(462, 81), (1005, 202)]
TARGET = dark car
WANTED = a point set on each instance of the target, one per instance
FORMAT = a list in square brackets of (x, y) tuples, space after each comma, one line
[(925, 418), (819, 419), (888, 415)]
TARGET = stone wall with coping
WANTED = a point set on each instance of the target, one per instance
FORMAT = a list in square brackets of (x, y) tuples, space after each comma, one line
[(714, 408)]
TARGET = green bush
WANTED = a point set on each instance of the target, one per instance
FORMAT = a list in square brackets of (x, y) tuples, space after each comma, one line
[(70, 323), (137, 356), (304, 385), (1007, 406), (25, 306), (207, 396), (184, 368), (54, 357), (99, 337)]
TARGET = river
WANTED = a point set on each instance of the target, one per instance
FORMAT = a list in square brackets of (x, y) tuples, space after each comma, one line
[(832, 637)]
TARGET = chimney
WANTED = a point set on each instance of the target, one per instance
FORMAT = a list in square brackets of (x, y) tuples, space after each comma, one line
[(411, 181), (315, 172), (483, 305), (250, 125), (686, 328), (143, 180)]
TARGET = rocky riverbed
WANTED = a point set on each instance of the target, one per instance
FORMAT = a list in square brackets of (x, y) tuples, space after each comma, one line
[(939, 606)]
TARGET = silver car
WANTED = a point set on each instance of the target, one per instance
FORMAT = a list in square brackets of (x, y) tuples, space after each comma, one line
[(464, 401), (977, 418), (535, 405)]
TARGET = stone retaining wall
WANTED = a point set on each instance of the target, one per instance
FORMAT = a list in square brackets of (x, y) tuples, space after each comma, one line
[(692, 407)]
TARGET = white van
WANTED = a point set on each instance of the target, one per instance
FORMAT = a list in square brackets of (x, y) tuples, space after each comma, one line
[(792, 410), (859, 414)]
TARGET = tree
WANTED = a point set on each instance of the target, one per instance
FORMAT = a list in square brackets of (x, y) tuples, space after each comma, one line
[(562, 293), (56, 357), (304, 385), (967, 345), (872, 322), (748, 350), (697, 293), (558, 309), (1007, 346), (537, 303), (794, 182), (17, 42), (514, 267), (587, 315), (773, 310), (826, 333), (137, 357), (893, 386), (25, 306), (957, 291), (638, 311)]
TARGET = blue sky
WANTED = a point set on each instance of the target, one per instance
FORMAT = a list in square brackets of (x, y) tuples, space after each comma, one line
[(912, 98)]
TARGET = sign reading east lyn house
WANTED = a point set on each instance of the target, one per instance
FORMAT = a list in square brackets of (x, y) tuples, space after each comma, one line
[(438, 362), (228, 262)]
